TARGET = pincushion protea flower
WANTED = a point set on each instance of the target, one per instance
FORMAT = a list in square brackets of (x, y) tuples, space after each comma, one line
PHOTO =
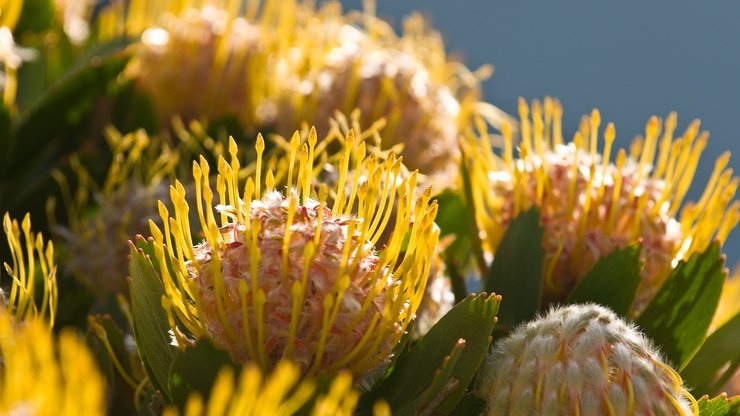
[(280, 64), (26, 248), (589, 205), (43, 375), (357, 61), (206, 62), (290, 276), (580, 360), (279, 393)]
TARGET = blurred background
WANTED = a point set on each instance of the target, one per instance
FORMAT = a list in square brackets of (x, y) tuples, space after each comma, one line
[(629, 59)]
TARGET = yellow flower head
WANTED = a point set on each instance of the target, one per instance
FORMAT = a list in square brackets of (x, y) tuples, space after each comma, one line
[(44, 375), (208, 62), (590, 205), (26, 249), (279, 64), (292, 275), (341, 62), (279, 393)]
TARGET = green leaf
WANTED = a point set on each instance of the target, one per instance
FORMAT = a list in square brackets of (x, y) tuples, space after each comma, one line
[(716, 361), (678, 317), (105, 327), (516, 271), (151, 327), (719, 406), (442, 383), (451, 221), (36, 16), (62, 108), (423, 367), (195, 369), (612, 281), (477, 244)]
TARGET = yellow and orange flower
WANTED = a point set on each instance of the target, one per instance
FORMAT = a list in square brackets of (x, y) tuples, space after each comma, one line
[(589, 205), (290, 275)]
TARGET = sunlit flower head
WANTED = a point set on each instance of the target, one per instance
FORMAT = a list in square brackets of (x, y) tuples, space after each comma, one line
[(342, 62), (32, 258), (279, 64), (580, 360), (279, 393), (590, 205), (42, 374), (291, 275), (207, 62)]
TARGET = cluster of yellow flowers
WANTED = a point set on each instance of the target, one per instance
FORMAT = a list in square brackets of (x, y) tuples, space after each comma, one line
[(313, 257)]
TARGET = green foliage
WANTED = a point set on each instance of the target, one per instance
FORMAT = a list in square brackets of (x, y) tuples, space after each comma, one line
[(716, 361), (64, 105), (450, 219), (39, 139), (195, 369), (150, 320), (719, 406), (477, 246), (678, 317), (516, 271), (36, 16), (435, 373), (612, 281)]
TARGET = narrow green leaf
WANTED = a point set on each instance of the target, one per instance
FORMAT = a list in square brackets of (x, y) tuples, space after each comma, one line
[(719, 406), (516, 271), (678, 317), (36, 16), (477, 244), (451, 219), (442, 383), (150, 320), (716, 361), (59, 111), (195, 369), (612, 281), (471, 320), (114, 336)]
